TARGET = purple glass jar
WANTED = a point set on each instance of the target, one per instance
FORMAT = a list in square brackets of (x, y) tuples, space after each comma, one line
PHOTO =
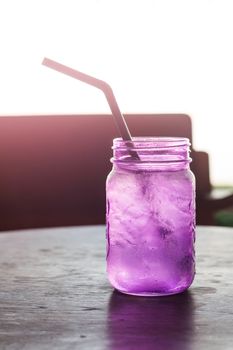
[(151, 217)]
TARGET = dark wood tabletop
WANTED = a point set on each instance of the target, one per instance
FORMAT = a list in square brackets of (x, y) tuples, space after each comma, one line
[(54, 294)]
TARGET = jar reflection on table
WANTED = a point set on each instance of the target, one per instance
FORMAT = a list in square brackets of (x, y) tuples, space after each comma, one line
[(151, 217), (151, 323)]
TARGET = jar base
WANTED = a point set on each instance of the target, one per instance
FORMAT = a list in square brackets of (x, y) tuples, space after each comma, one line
[(152, 294)]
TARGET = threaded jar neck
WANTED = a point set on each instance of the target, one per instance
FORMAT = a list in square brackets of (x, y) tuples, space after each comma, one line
[(171, 153)]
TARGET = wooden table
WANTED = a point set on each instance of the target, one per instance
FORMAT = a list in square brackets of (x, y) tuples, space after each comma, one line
[(54, 295)]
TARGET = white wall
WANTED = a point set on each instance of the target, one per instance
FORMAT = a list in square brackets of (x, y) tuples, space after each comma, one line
[(158, 55)]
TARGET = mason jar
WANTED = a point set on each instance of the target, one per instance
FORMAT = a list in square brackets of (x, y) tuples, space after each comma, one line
[(150, 216)]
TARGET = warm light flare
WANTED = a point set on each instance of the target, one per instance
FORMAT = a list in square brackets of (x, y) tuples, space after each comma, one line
[(158, 56)]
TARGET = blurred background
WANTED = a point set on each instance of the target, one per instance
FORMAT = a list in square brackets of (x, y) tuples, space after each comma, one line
[(160, 56)]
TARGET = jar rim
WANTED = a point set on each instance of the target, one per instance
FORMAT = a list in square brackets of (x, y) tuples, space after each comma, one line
[(153, 138), (151, 141)]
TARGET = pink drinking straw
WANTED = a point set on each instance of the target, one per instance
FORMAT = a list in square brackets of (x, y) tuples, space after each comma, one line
[(106, 89)]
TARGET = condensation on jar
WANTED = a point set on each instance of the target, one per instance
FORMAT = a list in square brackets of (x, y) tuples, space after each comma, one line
[(150, 216)]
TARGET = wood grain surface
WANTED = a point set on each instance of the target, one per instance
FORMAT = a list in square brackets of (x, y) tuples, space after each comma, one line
[(54, 294)]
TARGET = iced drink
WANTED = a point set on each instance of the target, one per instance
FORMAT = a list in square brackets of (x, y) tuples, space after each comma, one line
[(150, 207), (151, 217)]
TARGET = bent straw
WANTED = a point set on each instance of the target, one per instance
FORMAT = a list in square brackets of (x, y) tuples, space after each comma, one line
[(105, 88)]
